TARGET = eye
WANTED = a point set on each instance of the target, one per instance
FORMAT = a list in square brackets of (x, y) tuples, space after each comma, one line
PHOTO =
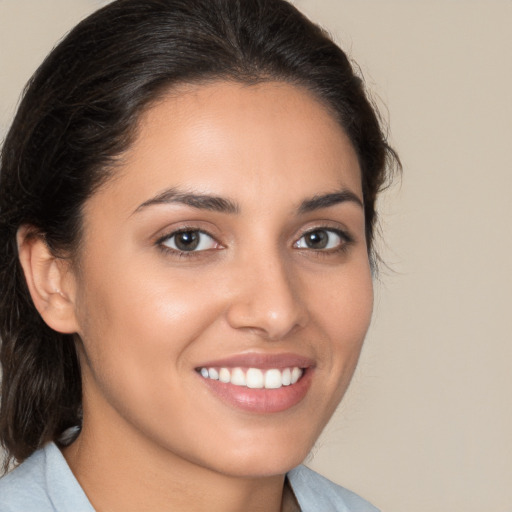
[(190, 240), (322, 239)]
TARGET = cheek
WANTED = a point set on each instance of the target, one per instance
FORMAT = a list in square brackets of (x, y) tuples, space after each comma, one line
[(135, 323), (343, 311), (136, 333), (342, 314)]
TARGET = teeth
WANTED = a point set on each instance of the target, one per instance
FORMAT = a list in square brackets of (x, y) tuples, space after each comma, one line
[(224, 375), (296, 374), (273, 379), (287, 377), (254, 378), (238, 377)]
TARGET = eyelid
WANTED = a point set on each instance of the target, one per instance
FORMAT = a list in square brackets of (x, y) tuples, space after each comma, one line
[(171, 233), (327, 225), (346, 239)]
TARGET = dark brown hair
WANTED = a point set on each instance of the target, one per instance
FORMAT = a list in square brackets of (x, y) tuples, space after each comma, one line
[(80, 111)]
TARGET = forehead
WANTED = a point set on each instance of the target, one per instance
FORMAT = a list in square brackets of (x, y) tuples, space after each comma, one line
[(234, 139)]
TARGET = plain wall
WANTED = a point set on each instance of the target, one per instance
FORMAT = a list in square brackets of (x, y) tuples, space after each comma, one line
[(427, 423)]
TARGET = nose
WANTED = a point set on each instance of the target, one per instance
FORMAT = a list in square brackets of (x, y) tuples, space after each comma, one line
[(267, 299)]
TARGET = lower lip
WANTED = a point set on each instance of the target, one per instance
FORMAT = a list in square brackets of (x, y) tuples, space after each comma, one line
[(261, 401)]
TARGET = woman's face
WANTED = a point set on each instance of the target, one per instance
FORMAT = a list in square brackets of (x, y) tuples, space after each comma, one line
[(228, 249)]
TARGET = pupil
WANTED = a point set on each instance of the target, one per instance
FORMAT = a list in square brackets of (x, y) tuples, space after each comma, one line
[(317, 240), (187, 241)]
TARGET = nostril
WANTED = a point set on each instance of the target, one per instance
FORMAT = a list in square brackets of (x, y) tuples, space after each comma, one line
[(267, 300)]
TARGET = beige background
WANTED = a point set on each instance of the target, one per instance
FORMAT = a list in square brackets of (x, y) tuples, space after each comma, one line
[(427, 424)]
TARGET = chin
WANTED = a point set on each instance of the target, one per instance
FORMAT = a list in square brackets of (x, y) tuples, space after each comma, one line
[(263, 459)]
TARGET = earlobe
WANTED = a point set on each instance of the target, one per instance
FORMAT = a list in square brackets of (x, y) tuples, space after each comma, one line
[(50, 281)]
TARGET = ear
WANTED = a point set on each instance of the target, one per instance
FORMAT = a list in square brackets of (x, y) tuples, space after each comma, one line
[(50, 281)]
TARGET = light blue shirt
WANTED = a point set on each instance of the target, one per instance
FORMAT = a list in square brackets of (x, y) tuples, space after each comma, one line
[(45, 483)]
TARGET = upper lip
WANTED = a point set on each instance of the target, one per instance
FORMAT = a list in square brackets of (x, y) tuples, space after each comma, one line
[(259, 360)]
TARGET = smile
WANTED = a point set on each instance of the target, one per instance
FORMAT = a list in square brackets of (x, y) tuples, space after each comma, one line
[(259, 383), (254, 378)]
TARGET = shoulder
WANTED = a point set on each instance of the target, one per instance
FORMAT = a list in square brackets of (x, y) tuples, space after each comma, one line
[(315, 492), (43, 483), (24, 487)]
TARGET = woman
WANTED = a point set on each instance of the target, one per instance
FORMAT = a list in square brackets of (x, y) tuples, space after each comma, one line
[(187, 215)]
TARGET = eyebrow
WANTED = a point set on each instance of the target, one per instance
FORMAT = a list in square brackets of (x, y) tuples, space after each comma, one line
[(326, 200), (199, 201), (224, 205)]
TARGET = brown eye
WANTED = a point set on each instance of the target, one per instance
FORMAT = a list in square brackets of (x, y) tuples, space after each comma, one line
[(316, 240), (190, 240), (321, 239)]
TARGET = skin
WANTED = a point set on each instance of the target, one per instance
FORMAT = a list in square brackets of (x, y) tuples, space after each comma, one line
[(154, 436)]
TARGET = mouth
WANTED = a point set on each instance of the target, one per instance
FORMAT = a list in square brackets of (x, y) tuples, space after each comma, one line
[(254, 378), (258, 383)]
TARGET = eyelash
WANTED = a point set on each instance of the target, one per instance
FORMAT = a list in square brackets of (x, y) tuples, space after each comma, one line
[(160, 243), (346, 240)]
